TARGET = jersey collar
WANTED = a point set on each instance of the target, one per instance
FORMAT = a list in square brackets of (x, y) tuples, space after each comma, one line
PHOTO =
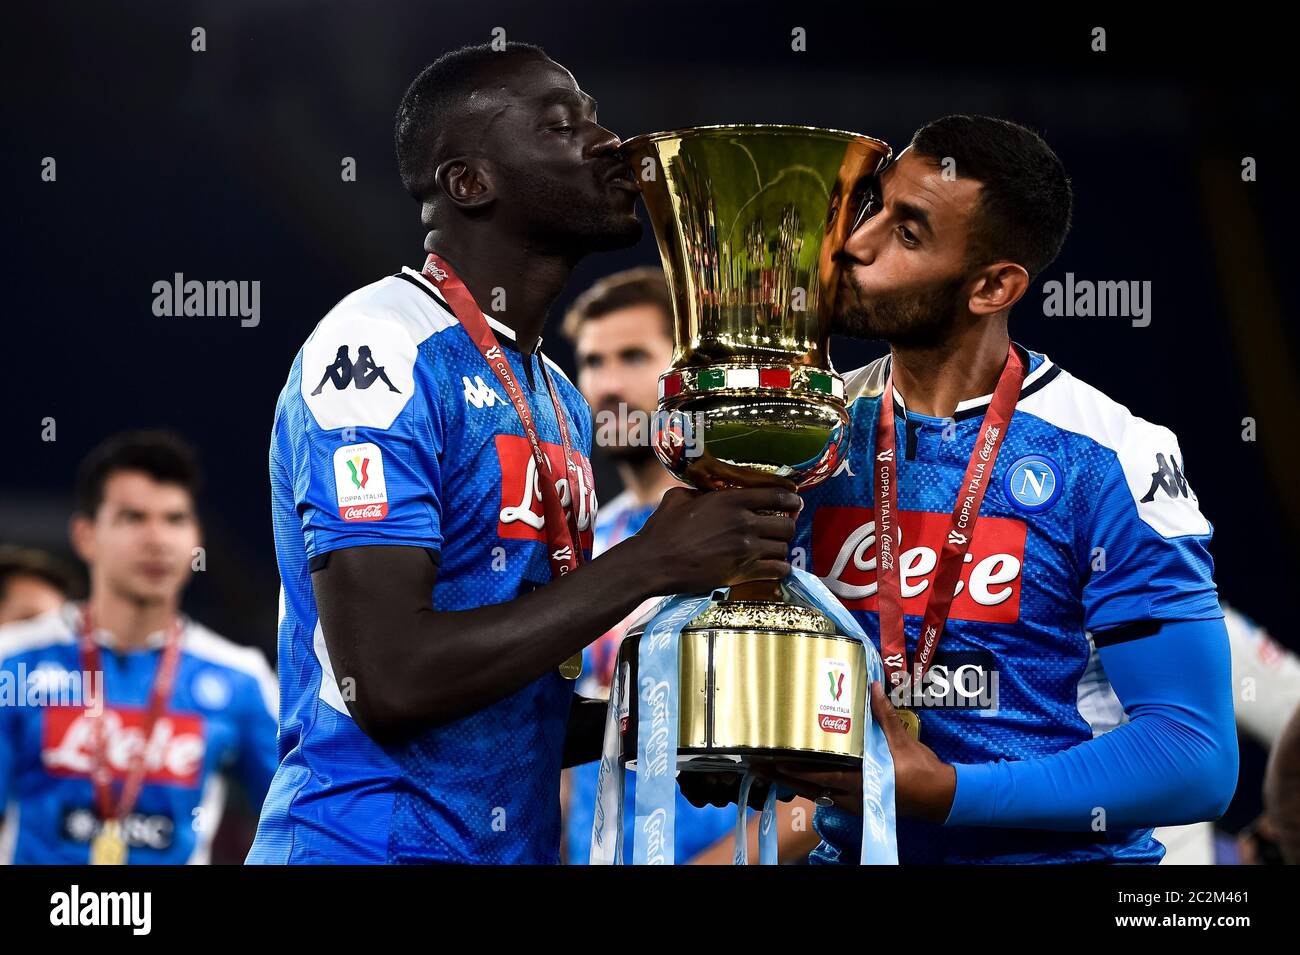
[(72, 616), (1041, 371), (505, 334)]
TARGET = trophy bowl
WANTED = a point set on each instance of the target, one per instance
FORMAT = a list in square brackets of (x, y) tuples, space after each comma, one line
[(749, 222)]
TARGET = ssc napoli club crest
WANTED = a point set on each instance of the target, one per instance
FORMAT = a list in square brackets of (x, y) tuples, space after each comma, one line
[(1033, 483)]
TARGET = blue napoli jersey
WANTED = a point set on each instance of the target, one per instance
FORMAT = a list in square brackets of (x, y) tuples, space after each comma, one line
[(219, 721), (695, 829), (393, 430), (1088, 524)]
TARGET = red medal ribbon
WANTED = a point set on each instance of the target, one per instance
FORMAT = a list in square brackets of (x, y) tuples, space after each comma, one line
[(101, 775), (979, 470), (562, 536)]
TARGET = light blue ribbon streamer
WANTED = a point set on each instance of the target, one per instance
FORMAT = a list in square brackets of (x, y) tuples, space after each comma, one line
[(740, 852), (767, 849), (607, 819), (767, 830), (879, 835), (658, 699)]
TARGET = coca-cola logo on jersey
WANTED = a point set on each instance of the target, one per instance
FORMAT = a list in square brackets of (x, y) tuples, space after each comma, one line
[(368, 512), (173, 756), (522, 516), (844, 556)]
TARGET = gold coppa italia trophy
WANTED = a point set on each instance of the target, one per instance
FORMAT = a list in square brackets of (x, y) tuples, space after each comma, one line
[(749, 220)]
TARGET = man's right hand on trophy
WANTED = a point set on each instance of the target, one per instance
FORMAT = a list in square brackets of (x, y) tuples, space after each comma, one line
[(697, 541)]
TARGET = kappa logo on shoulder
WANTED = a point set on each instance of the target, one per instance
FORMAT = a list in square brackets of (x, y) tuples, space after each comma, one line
[(357, 372), (362, 373), (1168, 477)]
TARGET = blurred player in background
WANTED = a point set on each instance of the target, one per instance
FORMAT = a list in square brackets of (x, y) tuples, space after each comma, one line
[(1045, 540), (621, 329), (124, 713), (32, 583), (1265, 693), (431, 533)]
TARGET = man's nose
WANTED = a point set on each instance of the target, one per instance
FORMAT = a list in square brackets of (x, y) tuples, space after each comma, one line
[(607, 387), (863, 242), (156, 536), (604, 143)]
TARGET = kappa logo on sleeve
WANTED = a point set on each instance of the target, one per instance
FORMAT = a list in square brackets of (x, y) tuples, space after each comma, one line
[(357, 372), (1154, 471), (1167, 477), (359, 483)]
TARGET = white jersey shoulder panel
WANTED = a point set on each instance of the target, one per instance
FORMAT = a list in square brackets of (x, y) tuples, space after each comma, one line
[(1148, 453), (358, 366)]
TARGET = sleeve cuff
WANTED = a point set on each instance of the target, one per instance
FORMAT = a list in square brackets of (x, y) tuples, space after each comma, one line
[(975, 794)]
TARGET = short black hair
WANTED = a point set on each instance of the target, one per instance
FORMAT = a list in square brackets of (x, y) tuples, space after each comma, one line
[(432, 98), (644, 285), (163, 455), (1025, 203), (18, 561)]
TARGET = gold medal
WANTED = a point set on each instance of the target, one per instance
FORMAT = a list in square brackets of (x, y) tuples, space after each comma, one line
[(911, 722), (109, 847), (571, 668)]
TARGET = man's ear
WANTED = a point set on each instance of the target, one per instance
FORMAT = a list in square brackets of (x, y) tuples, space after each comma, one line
[(81, 533), (466, 182), (998, 287)]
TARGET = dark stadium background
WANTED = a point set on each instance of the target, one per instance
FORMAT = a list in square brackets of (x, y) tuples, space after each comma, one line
[(226, 165)]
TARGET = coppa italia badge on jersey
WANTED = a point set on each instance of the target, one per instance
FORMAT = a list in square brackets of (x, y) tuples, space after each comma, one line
[(359, 483)]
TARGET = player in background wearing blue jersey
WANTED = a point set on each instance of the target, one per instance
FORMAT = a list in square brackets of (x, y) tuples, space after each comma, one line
[(124, 687), (1080, 691), (428, 540), (622, 340)]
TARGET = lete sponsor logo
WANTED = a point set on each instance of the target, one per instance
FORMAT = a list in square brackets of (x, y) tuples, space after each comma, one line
[(522, 516), (844, 556), (172, 756), (359, 482)]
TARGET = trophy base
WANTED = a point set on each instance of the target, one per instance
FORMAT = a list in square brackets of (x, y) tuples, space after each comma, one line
[(760, 682)]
